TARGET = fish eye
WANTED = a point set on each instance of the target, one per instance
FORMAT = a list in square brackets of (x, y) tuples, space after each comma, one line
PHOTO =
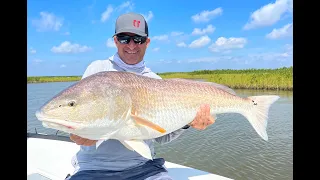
[(71, 103)]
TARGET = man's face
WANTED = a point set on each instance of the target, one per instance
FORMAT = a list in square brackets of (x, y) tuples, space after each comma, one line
[(131, 53)]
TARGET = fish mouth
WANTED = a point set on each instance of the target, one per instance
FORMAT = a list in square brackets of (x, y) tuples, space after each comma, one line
[(47, 121)]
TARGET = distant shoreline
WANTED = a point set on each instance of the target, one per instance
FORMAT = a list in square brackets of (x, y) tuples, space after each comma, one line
[(265, 79)]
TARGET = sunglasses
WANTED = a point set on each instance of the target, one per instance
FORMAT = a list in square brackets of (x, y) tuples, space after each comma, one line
[(125, 39)]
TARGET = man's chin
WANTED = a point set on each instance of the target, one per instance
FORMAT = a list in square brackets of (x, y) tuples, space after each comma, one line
[(131, 60)]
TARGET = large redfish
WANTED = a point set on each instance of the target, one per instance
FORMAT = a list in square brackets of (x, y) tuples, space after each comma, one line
[(131, 108)]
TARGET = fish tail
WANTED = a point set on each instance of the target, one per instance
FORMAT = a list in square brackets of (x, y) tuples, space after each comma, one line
[(257, 114)]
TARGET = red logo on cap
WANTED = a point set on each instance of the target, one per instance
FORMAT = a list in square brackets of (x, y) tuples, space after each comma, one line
[(136, 23)]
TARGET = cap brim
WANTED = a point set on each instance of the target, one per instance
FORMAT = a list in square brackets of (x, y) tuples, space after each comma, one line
[(131, 31)]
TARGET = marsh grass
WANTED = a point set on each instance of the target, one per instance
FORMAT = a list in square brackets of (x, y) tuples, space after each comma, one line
[(42, 79), (273, 79)]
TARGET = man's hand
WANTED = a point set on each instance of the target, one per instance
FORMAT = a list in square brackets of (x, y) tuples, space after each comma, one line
[(203, 118), (82, 141)]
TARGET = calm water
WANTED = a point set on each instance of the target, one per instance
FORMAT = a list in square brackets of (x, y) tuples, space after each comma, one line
[(230, 147)]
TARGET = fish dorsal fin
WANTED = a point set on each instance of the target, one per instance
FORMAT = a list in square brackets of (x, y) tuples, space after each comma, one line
[(223, 87), (216, 85), (104, 138)]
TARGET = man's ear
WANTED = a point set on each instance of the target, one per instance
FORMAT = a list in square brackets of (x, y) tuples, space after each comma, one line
[(148, 41), (115, 40)]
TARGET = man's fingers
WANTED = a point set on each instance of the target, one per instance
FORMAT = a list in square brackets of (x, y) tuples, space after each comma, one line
[(207, 110), (81, 141), (203, 118), (85, 142), (203, 111), (213, 120), (197, 118), (88, 142), (74, 138)]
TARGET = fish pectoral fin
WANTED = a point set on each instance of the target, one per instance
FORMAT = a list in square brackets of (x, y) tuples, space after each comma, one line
[(98, 143), (139, 146), (104, 138), (126, 145), (147, 123)]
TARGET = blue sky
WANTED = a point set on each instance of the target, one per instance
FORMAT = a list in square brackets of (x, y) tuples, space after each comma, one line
[(64, 37)]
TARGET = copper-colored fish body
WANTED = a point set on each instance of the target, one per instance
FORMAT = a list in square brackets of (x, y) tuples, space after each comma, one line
[(126, 106)]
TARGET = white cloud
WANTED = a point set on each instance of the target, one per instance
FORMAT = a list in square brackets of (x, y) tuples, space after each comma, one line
[(202, 41), (106, 14), (47, 22), (63, 66), (67, 47), (175, 36), (288, 48), (129, 5), (162, 61), (160, 37), (206, 15), (271, 56), (156, 49), (290, 6), (285, 31), (269, 14), (110, 9), (110, 43), (281, 57), (284, 55), (207, 30), (176, 33), (260, 59), (203, 59), (223, 43), (37, 61), (149, 16), (32, 51), (181, 44)]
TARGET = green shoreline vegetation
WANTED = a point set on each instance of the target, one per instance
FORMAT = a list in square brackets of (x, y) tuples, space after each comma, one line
[(265, 79)]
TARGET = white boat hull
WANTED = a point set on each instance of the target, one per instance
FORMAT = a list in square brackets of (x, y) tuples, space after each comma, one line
[(49, 157)]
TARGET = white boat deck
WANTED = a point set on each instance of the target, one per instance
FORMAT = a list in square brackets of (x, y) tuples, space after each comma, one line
[(51, 159)]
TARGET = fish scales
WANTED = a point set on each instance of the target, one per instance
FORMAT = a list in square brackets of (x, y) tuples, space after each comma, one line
[(132, 108), (164, 102)]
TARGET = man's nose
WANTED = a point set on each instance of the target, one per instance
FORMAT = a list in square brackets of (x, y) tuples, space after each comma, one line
[(131, 44)]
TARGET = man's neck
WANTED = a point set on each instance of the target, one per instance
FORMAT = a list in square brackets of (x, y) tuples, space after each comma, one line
[(138, 68)]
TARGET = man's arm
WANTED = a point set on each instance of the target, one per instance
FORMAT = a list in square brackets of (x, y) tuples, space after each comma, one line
[(202, 120)]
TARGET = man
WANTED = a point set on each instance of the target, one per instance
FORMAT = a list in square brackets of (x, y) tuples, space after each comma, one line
[(112, 160)]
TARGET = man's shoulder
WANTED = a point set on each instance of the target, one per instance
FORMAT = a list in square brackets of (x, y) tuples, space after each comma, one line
[(97, 66), (100, 62)]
